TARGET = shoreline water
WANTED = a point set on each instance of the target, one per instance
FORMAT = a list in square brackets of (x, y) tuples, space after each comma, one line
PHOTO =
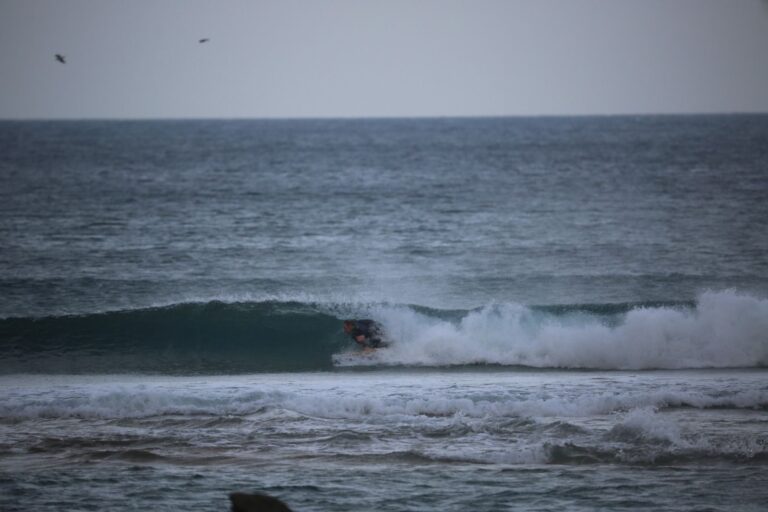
[(430, 440)]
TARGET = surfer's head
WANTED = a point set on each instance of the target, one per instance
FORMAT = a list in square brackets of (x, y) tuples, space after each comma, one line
[(349, 325)]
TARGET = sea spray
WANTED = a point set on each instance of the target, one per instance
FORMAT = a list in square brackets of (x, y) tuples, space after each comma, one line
[(722, 329)]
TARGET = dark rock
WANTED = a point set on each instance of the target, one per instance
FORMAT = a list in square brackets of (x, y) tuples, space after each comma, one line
[(242, 502)]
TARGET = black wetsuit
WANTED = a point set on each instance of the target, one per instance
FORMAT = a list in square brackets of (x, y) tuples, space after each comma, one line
[(370, 330)]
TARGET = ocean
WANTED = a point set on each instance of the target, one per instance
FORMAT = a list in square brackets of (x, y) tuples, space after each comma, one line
[(577, 309)]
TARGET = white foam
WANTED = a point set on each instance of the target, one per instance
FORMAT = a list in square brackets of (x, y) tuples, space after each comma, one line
[(647, 423), (377, 404), (726, 329)]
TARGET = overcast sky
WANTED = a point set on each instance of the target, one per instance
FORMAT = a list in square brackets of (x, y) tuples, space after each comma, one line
[(354, 58)]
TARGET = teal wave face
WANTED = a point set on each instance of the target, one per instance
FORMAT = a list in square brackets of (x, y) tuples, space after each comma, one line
[(183, 338)]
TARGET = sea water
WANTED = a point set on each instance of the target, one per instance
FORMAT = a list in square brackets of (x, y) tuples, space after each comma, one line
[(578, 310)]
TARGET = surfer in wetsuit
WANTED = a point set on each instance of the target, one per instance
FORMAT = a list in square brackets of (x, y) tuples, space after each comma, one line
[(366, 333)]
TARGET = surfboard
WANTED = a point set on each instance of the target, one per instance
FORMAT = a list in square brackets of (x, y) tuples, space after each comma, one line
[(355, 358)]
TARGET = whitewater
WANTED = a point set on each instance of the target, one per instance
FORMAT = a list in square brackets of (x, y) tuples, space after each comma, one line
[(577, 311), (486, 438), (722, 330)]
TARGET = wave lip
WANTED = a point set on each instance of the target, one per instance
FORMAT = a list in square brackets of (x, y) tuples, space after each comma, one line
[(724, 329)]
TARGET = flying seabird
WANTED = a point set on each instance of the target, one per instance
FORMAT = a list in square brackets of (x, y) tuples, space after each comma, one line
[(204, 40), (60, 58)]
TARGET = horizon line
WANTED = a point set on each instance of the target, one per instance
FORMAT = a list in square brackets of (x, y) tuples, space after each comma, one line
[(382, 117)]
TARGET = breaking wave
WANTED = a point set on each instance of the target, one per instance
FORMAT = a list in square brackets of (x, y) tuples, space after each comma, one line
[(718, 330)]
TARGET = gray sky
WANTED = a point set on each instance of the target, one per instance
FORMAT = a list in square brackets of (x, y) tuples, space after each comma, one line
[(342, 58)]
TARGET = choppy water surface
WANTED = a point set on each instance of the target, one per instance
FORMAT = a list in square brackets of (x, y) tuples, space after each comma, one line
[(445, 213), (392, 440), (578, 311)]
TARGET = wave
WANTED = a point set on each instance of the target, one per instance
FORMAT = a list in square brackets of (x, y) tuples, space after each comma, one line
[(718, 330)]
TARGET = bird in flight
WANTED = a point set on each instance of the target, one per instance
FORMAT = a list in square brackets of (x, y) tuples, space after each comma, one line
[(60, 58), (204, 40)]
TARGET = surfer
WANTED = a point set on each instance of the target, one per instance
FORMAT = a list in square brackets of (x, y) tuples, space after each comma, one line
[(366, 333)]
